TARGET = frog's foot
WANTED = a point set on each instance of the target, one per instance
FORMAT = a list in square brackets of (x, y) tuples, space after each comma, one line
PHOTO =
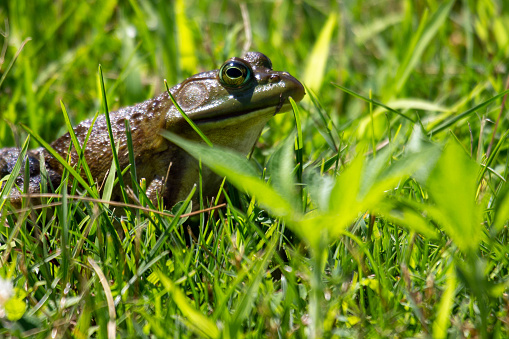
[(155, 189), (8, 158)]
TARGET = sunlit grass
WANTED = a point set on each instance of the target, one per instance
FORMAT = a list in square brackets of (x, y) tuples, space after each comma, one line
[(378, 208)]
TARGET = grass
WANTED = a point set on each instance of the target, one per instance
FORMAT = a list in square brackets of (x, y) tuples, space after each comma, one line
[(378, 209)]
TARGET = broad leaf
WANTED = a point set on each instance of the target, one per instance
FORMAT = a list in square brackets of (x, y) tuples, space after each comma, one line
[(240, 172), (453, 186)]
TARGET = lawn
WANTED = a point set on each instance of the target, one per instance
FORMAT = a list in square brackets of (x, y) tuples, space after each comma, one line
[(377, 208)]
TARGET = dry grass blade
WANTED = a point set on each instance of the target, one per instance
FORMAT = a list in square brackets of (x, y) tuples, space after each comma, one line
[(100, 201), (109, 298)]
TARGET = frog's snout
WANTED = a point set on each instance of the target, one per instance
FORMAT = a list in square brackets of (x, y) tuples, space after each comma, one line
[(295, 88)]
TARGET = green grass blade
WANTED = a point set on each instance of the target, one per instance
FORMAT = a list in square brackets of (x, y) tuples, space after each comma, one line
[(373, 144), (198, 322), (13, 61), (109, 184), (325, 118), (281, 166), (221, 306), (132, 161), (414, 54), (449, 122), (112, 140), (443, 318), (298, 125), (61, 160), (64, 236), (171, 226), (76, 144), (317, 60), (245, 304), (493, 155), (373, 28), (408, 215), (6, 189), (186, 41), (299, 149), (417, 104), (374, 102), (189, 121)]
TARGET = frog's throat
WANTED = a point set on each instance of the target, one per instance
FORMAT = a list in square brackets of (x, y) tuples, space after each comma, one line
[(240, 117)]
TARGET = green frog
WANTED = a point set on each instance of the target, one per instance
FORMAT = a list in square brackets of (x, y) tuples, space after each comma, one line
[(230, 105)]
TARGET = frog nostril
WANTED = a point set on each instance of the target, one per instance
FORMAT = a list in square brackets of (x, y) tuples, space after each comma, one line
[(274, 78)]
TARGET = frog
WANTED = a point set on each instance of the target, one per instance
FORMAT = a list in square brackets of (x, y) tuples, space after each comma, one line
[(231, 105)]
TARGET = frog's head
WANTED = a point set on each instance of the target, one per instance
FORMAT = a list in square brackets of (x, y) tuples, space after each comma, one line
[(232, 104)]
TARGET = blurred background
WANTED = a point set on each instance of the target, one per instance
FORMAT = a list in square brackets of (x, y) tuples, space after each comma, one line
[(432, 59)]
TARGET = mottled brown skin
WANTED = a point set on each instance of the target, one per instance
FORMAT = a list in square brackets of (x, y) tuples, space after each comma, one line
[(231, 117)]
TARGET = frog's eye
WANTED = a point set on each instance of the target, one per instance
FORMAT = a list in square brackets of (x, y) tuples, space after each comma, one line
[(234, 74)]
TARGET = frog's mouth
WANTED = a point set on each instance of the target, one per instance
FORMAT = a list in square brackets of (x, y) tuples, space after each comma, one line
[(282, 106), (237, 117), (282, 102)]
